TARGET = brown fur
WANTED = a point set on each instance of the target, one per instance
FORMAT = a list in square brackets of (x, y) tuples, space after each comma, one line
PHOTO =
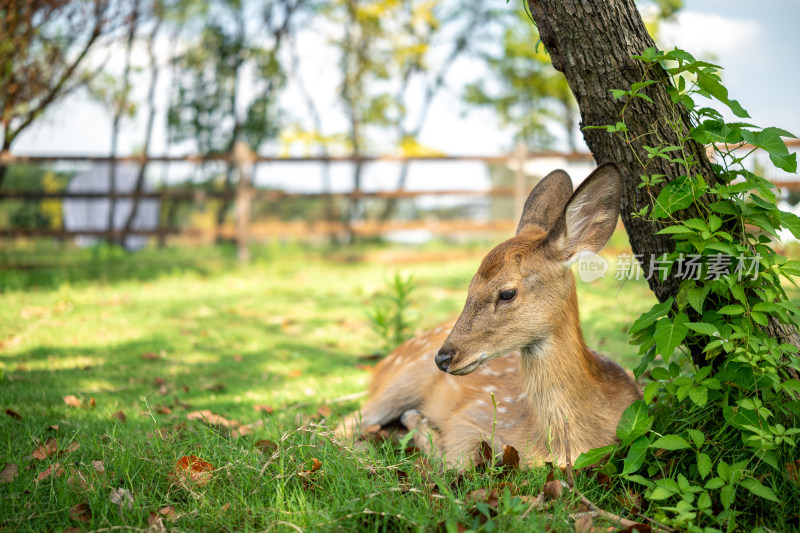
[(526, 355)]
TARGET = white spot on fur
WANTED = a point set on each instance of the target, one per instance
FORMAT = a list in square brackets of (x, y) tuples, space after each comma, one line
[(489, 388), (509, 399), (501, 409)]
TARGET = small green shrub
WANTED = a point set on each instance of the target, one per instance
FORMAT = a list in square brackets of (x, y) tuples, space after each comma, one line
[(389, 317)]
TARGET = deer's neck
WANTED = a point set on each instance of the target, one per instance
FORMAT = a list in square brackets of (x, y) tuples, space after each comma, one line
[(557, 373)]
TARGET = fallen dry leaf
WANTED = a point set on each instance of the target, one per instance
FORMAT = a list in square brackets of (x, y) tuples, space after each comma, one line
[(99, 467), (119, 415), (793, 470), (73, 401), (246, 429), (43, 451), (238, 358), (150, 356), (81, 512), (295, 373), (214, 387), (9, 473), (13, 414), (168, 512), (553, 489), (71, 447), (316, 464), (265, 408), (192, 468), (159, 381), (163, 390), (266, 446), (163, 410), (54, 427), (54, 470), (212, 418), (488, 496), (510, 457), (92, 402), (155, 522), (225, 507), (583, 524), (122, 498), (324, 411)]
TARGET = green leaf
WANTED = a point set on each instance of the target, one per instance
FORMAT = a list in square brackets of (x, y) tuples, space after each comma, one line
[(704, 328), (660, 373), (712, 85), (592, 456), (636, 455), (792, 386), (669, 334), (650, 391), (732, 309), (660, 493), (699, 395), (697, 437), (703, 465), (634, 423), (655, 312), (755, 486), (671, 230), (715, 482), (676, 195), (671, 442), (696, 296)]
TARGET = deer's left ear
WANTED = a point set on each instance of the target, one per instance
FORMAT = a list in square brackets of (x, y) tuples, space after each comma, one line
[(590, 216)]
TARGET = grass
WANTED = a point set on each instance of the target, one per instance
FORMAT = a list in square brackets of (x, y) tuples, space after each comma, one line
[(286, 332)]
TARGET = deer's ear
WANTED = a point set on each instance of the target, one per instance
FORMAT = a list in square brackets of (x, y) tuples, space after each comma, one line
[(590, 216), (546, 202)]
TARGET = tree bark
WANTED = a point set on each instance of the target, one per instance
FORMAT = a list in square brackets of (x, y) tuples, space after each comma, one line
[(592, 44)]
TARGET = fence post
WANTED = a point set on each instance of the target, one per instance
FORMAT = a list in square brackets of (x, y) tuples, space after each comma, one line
[(520, 185), (244, 159)]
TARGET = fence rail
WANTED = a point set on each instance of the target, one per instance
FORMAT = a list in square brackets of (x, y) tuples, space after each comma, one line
[(240, 196)]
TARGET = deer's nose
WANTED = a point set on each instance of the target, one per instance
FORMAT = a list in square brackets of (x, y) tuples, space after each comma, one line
[(444, 358)]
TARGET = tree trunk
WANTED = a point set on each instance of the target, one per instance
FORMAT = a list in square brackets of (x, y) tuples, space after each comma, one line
[(592, 44)]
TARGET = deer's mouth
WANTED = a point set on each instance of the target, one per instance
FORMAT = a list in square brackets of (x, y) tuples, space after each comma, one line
[(470, 367)]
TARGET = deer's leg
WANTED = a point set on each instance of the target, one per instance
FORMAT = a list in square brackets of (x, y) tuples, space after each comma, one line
[(426, 437), (385, 407)]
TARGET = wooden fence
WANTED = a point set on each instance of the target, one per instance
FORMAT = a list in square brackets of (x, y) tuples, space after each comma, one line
[(242, 194)]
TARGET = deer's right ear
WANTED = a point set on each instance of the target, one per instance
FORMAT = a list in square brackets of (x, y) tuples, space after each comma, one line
[(546, 202), (590, 216)]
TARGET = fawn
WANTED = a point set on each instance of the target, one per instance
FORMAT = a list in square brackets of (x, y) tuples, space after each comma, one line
[(514, 366)]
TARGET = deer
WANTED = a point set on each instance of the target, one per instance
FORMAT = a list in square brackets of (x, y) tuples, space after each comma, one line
[(513, 369)]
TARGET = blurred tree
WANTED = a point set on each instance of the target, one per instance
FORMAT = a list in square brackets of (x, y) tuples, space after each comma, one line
[(524, 89), (238, 41), (395, 56), (44, 45)]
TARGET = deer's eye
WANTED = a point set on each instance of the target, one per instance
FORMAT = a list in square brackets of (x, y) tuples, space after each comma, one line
[(508, 295)]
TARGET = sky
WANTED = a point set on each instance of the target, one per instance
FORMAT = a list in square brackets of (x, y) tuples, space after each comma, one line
[(755, 42)]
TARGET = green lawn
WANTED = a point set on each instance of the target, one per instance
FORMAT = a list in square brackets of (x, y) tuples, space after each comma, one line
[(161, 335)]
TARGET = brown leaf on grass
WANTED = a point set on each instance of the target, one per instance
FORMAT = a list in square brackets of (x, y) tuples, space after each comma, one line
[(793, 470), (246, 429), (119, 415), (324, 411), (92, 402), (487, 496), (163, 410), (155, 522), (81, 513), (583, 524), (224, 507), (159, 381), (150, 356), (510, 457), (43, 451), (163, 390), (295, 373), (71, 447), (366, 368), (54, 470), (553, 489), (168, 512), (192, 468), (121, 498), (54, 427), (99, 467), (266, 446), (213, 387), (265, 408), (206, 415), (316, 464), (13, 414), (73, 401), (77, 481), (237, 357), (9, 473)]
